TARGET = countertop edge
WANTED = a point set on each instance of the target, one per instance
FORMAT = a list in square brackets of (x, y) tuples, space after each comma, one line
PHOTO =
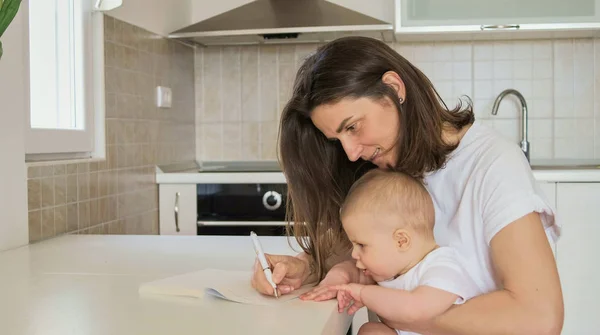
[(549, 175)]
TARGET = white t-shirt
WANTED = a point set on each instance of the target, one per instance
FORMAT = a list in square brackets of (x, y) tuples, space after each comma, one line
[(442, 268), (486, 184)]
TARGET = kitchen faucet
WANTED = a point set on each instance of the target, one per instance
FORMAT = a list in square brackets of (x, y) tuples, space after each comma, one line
[(524, 142)]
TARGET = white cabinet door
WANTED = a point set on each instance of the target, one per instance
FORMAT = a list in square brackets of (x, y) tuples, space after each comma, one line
[(177, 207), (549, 190), (477, 15), (578, 252)]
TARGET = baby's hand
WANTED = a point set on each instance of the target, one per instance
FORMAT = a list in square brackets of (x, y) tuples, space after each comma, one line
[(347, 294)]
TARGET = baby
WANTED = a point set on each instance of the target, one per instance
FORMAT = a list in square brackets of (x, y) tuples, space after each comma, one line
[(389, 217)]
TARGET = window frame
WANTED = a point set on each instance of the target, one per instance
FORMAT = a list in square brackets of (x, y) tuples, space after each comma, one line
[(50, 144)]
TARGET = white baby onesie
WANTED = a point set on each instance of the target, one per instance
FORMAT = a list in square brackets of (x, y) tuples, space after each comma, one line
[(442, 269)]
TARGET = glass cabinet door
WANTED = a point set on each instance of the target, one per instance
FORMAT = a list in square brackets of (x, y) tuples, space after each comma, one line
[(424, 13)]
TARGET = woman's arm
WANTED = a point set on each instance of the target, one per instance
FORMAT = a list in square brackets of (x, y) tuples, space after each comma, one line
[(531, 301)]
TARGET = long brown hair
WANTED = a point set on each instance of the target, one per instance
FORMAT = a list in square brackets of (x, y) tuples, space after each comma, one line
[(317, 170)]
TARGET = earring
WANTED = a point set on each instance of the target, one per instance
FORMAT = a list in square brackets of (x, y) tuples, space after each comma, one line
[(401, 100)]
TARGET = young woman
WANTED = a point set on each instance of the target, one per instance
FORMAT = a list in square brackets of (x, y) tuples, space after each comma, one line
[(356, 105)]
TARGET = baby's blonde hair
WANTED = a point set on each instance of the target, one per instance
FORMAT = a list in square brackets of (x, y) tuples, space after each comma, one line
[(392, 193)]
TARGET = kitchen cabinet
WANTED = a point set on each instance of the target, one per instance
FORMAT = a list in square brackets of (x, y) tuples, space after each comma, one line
[(480, 17), (177, 209), (577, 208)]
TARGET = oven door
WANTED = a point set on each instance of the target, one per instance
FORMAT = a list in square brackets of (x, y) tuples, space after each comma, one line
[(238, 209)]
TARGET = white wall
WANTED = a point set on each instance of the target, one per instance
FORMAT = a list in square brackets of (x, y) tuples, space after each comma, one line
[(13, 106), (158, 16)]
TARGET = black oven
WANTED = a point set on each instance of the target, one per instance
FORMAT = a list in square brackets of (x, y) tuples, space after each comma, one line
[(238, 208)]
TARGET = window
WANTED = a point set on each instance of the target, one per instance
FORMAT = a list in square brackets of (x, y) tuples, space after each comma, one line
[(66, 54)]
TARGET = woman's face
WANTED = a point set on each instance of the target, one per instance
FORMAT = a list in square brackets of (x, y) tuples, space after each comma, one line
[(366, 129)]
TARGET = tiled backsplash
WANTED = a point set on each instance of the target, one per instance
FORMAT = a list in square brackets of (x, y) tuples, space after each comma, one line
[(118, 195), (240, 92)]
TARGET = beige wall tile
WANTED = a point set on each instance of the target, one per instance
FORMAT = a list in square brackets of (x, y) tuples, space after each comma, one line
[(35, 225), (94, 191), (46, 171), (60, 169), (72, 188), (112, 203), (109, 28), (268, 145), (250, 85), (113, 228), (212, 85), (111, 157), (71, 168), (34, 172), (83, 197), (83, 186), (60, 189), (83, 167), (72, 217), (269, 83), (286, 54), (287, 73), (34, 194), (47, 192), (232, 141), (213, 141), (250, 141), (60, 220), (48, 223), (84, 214), (231, 84), (94, 213)]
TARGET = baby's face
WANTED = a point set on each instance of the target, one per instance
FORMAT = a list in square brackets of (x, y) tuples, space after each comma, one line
[(374, 248)]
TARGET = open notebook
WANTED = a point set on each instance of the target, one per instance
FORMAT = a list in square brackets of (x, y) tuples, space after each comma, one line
[(225, 284)]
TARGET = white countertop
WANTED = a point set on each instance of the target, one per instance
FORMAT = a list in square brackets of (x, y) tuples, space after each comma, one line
[(554, 170), (88, 284)]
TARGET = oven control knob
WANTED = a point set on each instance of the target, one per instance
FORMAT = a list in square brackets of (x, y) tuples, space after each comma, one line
[(271, 200)]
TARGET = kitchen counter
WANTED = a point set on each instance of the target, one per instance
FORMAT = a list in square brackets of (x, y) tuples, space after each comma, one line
[(88, 284), (552, 170)]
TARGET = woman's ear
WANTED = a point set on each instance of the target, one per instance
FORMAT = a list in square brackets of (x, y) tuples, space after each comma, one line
[(393, 79), (402, 239)]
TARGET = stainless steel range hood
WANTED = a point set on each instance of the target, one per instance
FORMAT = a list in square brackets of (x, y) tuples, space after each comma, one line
[(284, 21)]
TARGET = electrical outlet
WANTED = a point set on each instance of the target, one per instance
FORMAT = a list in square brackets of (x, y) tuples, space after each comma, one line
[(163, 97)]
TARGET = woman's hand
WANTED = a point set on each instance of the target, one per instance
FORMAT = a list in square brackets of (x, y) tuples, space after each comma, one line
[(289, 273), (349, 295)]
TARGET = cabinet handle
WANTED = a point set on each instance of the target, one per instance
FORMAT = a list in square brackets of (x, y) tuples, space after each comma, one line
[(176, 210), (500, 26)]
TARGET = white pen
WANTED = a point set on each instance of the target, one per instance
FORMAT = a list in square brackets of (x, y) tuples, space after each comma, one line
[(263, 261)]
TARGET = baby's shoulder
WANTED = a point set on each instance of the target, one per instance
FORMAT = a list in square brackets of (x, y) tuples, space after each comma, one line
[(441, 254), (442, 257)]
